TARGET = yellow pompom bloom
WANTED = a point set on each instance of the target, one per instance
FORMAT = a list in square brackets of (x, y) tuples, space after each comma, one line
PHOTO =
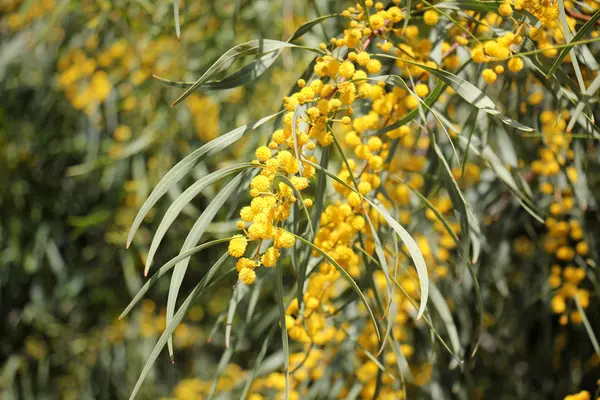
[(558, 304), (346, 70), (565, 253), (515, 64), (257, 231), (299, 182), (431, 17), (122, 133), (263, 153), (582, 248), (376, 21), (489, 76), (363, 58), (270, 257), (364, 187), (237, 245), (247, 276), (260, 183), (284, 239), (411, 102), (422, 90), (505, 10), (373, 66), (354, 199), (244, 263)]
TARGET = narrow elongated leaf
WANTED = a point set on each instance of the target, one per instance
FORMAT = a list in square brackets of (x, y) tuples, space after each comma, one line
[(182, 201), (301, 201), (437, 213), (442, 308), (191, 240), (346, 276), (585, 29), (299, 111), (566, 31), (193, 296), (257, 363), (307, 26), (176, 14), (253, 47), (503, 173), (591, 90), (467, 91), (238, 294), (167, 267), (284, 335), (244, 75), (413, 250), (184, 166), (588, 327), (474, 96)]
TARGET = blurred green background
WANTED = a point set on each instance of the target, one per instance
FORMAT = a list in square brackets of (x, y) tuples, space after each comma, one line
[(85, 133)]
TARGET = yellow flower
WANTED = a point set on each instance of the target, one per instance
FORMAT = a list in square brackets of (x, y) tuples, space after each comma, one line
[(237, 245), (489, 76), (247, 276), (515, 64), (431, 17), (373, 66), (284, 239), (244, 263), (263, 153), (260, 183), (376, 21), (270, 257), (505, 10)]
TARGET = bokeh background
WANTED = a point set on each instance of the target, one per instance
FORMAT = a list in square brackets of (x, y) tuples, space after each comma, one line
[(85, 133)]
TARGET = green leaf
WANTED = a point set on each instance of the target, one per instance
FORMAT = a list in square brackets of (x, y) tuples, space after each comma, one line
[(184, 166), (346, 276), (585, 29), (474, 96), (413, 250), (502, 172), (442, 308), (238, 294), (244, 75), (182, 201), (437, 213), (472, 5), (467, 91), (300, 109), (176, 14), (307, 26), (284, 335), (193, 296), (168, 266), (257, 363), (253, 47), (588, 327), (191, 240)]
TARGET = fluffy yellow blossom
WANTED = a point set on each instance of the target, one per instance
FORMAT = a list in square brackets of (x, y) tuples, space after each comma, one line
[(237, 246)]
